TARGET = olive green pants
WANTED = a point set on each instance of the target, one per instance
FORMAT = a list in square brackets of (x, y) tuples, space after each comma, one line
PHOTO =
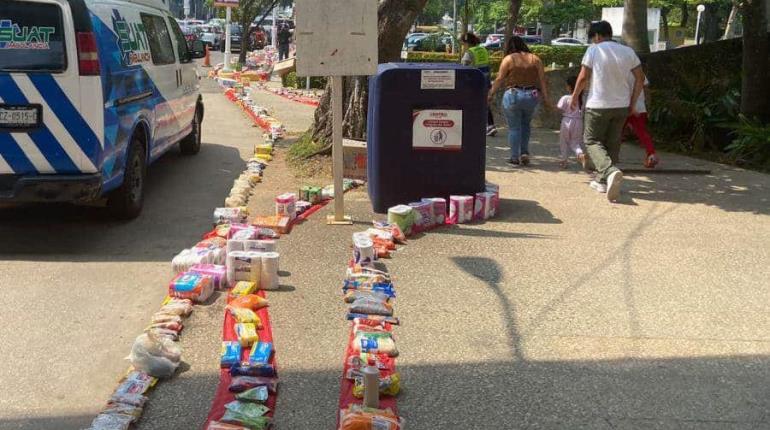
[(602, 130)]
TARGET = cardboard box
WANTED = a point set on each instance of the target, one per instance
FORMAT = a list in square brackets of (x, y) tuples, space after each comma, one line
[(354, 159)]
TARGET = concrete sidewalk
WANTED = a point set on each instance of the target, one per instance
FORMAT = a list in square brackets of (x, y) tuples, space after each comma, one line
[(564, 312)]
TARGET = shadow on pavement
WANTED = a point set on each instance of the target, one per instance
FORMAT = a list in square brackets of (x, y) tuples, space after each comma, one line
[(713, 392), (524, 211), (476, 232), (181, 192)]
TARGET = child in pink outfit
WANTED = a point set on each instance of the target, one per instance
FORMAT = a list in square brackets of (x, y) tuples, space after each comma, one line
[(571, 134)]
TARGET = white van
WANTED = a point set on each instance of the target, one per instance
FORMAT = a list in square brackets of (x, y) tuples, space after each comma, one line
[(92, 92)]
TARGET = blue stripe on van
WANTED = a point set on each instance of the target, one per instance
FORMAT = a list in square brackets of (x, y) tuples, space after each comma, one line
[(43, 138), (69, 116), (14, 156)]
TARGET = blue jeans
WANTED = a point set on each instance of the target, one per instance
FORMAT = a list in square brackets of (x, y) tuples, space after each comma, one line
[(519, 106)]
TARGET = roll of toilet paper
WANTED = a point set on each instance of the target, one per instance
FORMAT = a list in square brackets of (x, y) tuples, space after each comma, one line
[(269, 275), (243, 266), (363, 250)]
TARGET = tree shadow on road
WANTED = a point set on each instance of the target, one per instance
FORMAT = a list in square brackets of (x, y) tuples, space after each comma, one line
[(180, 196)]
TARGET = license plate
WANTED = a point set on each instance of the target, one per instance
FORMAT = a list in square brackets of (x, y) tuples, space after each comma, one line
[(20, 117)]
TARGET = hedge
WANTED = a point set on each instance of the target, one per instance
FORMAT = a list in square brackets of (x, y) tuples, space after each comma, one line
[(561, 55), (291, 80)]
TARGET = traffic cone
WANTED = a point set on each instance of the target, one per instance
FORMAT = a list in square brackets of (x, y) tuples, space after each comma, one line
[(207, 57)]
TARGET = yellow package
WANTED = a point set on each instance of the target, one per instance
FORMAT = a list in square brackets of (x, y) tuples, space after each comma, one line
[(243, 287), (245, 315), (247, 334), (263, 158), (264, 149), (389, 386)]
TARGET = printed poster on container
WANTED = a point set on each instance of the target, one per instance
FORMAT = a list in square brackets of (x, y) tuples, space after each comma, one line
[(435, 129), (225, 3)]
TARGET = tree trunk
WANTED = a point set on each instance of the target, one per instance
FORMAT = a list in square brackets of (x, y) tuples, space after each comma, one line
[(635, 25), (664, 22), (710, 23), (755, 88), (730, 27), (685, 14), (395, 17), (513, 18)]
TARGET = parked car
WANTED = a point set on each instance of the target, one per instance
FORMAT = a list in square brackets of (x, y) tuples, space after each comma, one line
[(235, 39), (567, 41), (212, 36), (411, 39), (82, 118), (194, 44), (491, 38), (435, 42)]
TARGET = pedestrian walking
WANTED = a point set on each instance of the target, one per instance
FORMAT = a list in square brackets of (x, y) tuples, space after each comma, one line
[(638, 124), (522, 74), (612, 97), (571, 130), (284, 40), (478, 56)]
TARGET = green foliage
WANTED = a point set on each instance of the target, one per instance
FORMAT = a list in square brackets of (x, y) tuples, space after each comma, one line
[(561, 55), (303, 148), (751, 144), (291, 80)]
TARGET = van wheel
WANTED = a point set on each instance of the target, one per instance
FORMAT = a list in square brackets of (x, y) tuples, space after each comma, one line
[(126, 202), (191, 144)]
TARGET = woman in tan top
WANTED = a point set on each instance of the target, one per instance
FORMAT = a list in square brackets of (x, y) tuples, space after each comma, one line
[(522, 74)]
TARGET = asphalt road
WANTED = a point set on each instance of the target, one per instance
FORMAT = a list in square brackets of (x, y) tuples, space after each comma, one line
[(78, 287)]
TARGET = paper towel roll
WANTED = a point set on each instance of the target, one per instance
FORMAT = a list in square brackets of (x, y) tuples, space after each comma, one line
[(243, 266), (363, 250), (402, 215), (270, 265)]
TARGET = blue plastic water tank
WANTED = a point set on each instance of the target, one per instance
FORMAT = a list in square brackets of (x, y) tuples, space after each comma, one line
[(404, 165)]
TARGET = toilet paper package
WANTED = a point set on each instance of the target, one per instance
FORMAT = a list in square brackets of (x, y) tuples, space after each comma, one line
[(403, 216), (483, 206), (423, 216), (243, 266), (230, 215), (439, 210), (285, 205), (217, 272), (460, 209), (251, 245), (270, 266), (192, 286)]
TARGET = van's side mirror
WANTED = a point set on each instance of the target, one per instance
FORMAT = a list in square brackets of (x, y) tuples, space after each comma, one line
[(198, 50)]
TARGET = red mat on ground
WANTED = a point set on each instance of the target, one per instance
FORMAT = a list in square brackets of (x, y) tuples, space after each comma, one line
[(223, 396)]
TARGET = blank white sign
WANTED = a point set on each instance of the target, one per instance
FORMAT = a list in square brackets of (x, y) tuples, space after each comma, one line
[(336, 37)]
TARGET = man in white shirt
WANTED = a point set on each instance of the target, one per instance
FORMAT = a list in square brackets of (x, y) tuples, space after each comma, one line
[(611, 98)]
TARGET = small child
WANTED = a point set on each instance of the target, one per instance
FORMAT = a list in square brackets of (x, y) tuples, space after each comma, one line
[(571, 134), (638, 124)]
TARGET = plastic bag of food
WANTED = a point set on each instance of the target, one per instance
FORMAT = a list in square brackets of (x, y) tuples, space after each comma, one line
[(388, 386), (245, 315), (243, 383), (155, 356), (168, 325), (115, 408), (358, 417), (394, 229), (249, 409), (389, 320), (356, 361), (249, 301), (191, 286), (179, 307), (253, 423), (243, 288), (218, 425), (255, 395), (375, 343), (163, 333), (135, 382), (230, 354), (247, 334), (111, 422), (260, 353), (371, 305), (134, 399)]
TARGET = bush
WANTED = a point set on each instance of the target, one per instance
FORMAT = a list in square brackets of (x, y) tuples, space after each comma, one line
[(751, 144), (561, 55), (291, 80)]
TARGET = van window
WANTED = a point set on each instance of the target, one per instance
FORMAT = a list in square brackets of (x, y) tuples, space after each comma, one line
[(31, 37), (181, 43), (160, 39)]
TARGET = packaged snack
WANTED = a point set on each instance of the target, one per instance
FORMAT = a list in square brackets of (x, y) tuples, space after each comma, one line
[(245, 315), (135, 382), (358, 417), (245, 234), (247, 408), (388, 386), (247, 334), (264, 370), (191, 286), (230, 354), (255, 395), (134, 399), (375, 343), (253, 423), (249, 301), (217, 272), (111, 422), (393, 229), (243, 383), (218, 425), (352, 295), (113, 408), (242, 288), (260, 353), (371, 305)]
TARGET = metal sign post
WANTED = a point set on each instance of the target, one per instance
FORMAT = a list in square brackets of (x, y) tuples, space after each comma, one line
[(229, 4), (337, 38)]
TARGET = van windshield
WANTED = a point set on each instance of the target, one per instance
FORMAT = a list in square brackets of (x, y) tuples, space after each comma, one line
[(31, 37)]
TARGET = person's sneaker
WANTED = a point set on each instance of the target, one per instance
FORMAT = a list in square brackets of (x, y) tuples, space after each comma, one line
[(598, 186), (514, 161), (614, 180), (491, 130), (651, 161), (525, 159), (582, 159)]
